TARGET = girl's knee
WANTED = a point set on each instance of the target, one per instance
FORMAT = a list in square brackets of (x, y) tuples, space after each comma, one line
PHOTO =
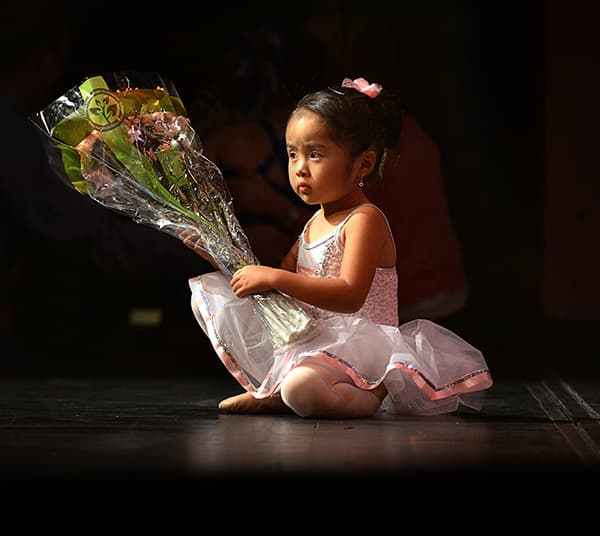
[(306, 392), (314, 391)]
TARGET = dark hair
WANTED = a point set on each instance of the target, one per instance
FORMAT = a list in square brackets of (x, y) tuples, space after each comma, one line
[(357, 120)]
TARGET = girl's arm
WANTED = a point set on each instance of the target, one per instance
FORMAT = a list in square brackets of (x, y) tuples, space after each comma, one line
[(365, 236), (288, 263)]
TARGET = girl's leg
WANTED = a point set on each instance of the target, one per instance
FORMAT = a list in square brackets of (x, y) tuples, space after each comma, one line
[(314, 389)]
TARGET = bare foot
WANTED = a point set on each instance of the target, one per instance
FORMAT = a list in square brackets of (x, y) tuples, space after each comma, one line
[(246, 403)]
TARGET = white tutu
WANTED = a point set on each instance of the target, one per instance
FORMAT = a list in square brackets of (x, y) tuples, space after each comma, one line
[(426, 368)]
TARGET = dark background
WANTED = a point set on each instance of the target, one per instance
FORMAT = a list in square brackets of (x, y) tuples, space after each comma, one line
[(502, 87)]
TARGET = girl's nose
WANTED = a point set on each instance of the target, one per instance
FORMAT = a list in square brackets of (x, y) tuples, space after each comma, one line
[(301, 170)]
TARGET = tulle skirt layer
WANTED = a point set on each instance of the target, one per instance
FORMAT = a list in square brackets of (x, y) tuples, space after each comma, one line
[(426, 368)]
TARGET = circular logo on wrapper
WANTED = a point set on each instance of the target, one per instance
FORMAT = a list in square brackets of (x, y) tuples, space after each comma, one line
[(104, 109)]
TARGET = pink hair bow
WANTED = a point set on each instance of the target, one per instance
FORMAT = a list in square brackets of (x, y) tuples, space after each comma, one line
[(362, 85)]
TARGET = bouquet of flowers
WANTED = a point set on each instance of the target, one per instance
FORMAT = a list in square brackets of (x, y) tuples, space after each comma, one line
[(125, 140)]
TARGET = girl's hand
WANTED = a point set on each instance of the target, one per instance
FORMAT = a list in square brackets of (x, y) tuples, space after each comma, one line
[(191, 239), (252, 279)]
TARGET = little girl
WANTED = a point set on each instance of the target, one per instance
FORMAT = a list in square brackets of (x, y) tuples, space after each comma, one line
[(342, 270)]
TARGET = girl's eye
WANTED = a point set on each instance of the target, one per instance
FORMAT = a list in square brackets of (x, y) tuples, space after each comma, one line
[(291, 155), (314, 154)]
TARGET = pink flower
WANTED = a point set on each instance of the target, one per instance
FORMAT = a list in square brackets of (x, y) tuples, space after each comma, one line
[(362, 85)]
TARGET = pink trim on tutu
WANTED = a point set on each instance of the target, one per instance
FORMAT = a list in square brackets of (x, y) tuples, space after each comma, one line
[(474, 381)]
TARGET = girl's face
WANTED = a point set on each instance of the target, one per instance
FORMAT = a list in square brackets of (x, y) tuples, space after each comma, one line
[(320, 171)]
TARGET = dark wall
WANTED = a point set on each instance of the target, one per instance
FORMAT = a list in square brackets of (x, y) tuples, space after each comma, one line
[(571, 297)]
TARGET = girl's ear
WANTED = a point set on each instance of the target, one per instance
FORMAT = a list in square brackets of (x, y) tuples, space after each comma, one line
[(366, 162)]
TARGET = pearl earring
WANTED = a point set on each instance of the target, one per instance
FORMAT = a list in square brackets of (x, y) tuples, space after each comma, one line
[(361, 182)]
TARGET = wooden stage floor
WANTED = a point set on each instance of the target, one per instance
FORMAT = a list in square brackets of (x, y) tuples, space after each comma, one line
[(111, 429)]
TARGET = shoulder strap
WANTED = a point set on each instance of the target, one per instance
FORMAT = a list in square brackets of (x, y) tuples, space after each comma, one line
[(345, 220), (341, 225)]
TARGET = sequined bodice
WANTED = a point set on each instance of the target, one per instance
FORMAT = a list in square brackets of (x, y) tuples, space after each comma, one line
[(323, 258)]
